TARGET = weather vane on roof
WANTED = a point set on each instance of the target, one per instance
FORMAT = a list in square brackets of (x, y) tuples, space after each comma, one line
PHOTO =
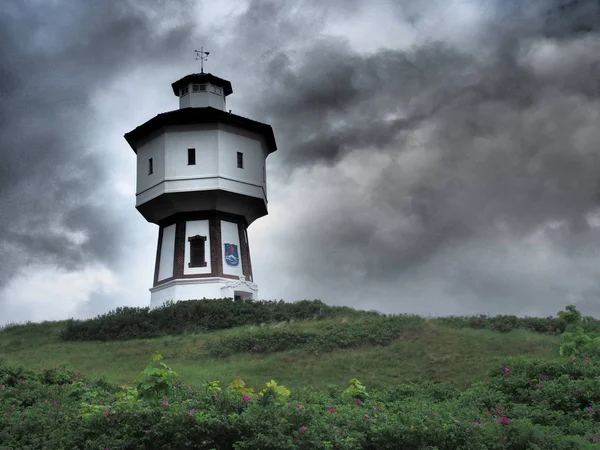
[(202, 56)]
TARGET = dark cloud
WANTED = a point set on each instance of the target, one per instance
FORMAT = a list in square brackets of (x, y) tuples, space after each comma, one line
[(503, 139), (55, 204), (457, 173)]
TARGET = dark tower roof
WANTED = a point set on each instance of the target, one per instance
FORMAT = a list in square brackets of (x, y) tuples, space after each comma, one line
[(189, 116), (202, 78)]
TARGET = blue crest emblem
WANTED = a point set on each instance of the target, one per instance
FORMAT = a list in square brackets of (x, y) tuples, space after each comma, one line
[(232, 257)]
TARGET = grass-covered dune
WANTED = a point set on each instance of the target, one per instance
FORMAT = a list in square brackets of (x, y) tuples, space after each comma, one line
[(344, 379), (310, 345)]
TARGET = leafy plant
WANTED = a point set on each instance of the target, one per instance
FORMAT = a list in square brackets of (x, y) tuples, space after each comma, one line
[(524, 403), (156, 381), (578, 343), (274, 393), (356, 391)]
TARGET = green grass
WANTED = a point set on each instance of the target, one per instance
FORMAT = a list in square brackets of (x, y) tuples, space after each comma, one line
[(428, 352)]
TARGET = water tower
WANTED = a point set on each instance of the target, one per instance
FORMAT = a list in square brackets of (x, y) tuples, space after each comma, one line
[(201, 177)]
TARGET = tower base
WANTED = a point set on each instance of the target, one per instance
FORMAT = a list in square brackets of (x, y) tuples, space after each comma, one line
[(199, 288)]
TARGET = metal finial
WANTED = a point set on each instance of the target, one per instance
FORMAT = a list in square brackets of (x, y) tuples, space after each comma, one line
[(202, 56)]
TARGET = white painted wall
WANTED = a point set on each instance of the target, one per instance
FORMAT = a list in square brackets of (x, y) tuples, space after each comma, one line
[(177, 142), (167, 253), (202, 99), (216, 162), (154, 149), (251, 146), (185, 290), (230, 235), (197, 289), (193, 228)]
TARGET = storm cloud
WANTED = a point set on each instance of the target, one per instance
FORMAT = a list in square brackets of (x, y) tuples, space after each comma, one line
[(434, 157), (55, 203), (433, 174)]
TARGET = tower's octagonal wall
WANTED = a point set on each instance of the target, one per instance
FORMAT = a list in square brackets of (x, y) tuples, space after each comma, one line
[(217, 149), (201, 177)]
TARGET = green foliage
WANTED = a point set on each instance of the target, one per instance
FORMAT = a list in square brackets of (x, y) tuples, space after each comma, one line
[(274, 393), (504, 323), (351, 334), (565, 321), (523, 404), (356, 391), (156, 380), (578, 343), (193, 316), (239, 386), (570, 315)]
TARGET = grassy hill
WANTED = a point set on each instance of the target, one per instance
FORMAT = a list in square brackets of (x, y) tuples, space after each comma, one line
[(428, 351), (345, 380)]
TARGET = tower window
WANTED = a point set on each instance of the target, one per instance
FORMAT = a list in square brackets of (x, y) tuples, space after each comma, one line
[(150, 166), (191, 156), (240, 160), (198, 87), (184, 91), (197, 250), (217, 90)]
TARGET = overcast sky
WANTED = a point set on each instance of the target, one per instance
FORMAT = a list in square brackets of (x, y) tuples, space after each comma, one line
[(435, 156)]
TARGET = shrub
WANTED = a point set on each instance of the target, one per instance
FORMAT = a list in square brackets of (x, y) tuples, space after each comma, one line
[(578, 343), (195, 316), (62, 409), (375, 331)]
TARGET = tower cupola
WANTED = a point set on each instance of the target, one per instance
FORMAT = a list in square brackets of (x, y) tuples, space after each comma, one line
[(199, 90)]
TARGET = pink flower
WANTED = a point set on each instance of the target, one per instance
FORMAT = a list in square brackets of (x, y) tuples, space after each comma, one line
[(246, 398), (367, 416), (303, 428), (300, 406), (507, 370), (380, 409), (358, 401), (192, 412), (504, 420), (331, 409), (591, 410), (593, 438), (107, 412)]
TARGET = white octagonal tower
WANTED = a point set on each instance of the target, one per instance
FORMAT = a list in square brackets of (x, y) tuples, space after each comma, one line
[(201, 177)]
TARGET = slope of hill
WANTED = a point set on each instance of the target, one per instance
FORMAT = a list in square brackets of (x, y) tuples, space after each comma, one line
[(346, 380), (426, 350)]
